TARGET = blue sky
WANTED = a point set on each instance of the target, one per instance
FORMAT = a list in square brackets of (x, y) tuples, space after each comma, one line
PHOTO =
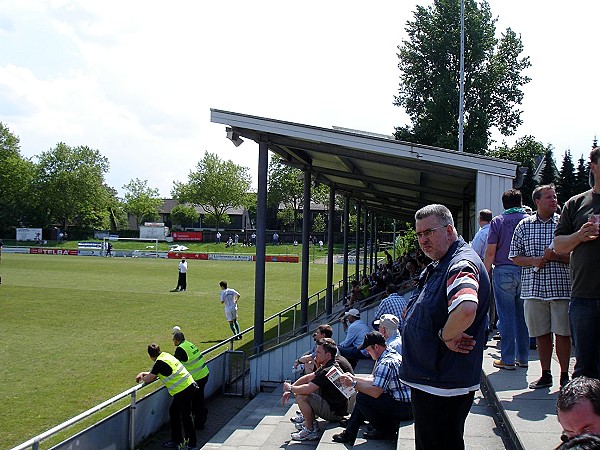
[(136, 80)]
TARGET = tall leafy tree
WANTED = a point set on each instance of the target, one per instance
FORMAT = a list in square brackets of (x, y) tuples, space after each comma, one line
[(16, 177), (582, 183), (526, 151), (142, 201), (429, 63), (216, 185), (565, 185), (286, 186), (549, 172), (70, 185)]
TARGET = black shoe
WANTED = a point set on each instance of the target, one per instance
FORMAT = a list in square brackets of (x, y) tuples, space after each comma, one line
[(377, 435), (343, 423), (564, 379), (344, 438), (543, 382)]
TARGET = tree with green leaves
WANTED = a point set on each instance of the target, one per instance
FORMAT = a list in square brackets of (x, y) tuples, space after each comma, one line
[(16, 178), (429, 61), (525, 151), (582, 182), (216, 185), (142, 201), (286, 186), (70, 186), (565, 186), (549, 172), (184, 215), (318, 225)]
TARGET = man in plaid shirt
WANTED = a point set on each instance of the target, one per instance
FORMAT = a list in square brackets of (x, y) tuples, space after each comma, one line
[(546, 288), (381, 398)]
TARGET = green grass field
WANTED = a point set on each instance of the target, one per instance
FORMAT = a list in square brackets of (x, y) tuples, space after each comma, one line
[(74, 330)]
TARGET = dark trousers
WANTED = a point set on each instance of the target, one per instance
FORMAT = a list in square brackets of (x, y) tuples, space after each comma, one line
[(180, 413), (182, 281), (584, 317), (198, 406), (383, 413), (440, 421)]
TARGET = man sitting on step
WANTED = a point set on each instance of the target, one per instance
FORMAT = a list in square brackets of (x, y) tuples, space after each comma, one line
[(328, 403), (381, 398)]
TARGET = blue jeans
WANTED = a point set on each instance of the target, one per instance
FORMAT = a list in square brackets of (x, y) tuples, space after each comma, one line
[(514, 342), (584, 318)]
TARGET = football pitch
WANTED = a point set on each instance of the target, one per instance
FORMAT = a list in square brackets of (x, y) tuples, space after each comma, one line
[(74, 330)]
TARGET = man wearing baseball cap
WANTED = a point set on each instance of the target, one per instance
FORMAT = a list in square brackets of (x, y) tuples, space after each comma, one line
[(381, 398), (355, 333), (387, 325)]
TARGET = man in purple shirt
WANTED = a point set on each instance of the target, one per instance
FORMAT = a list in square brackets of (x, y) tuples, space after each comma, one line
[(514, 343)]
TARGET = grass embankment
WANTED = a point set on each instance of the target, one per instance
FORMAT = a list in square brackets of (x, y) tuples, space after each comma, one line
[(74, 330)]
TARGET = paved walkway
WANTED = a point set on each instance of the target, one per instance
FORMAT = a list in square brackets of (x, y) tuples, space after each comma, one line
[(530, 415)]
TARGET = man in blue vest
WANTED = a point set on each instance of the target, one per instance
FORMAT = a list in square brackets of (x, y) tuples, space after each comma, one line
[(444, 332), (181, 387), (191, 358)]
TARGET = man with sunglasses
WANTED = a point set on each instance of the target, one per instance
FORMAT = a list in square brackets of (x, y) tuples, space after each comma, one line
[(444, 332)]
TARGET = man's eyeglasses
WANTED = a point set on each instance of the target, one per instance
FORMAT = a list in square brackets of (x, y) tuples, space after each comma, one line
[(428, 232)]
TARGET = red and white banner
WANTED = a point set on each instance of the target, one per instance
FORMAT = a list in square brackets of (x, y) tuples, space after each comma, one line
[(187, 236), (51, 251)]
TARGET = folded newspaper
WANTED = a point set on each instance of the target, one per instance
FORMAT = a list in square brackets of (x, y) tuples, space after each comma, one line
[(333, 374)]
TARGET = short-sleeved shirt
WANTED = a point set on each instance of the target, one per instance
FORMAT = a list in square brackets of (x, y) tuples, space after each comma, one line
[(585, 258), (501, 231), (337, 401), (479, 241), (386, 375), (392, 304), (531, 237), (161, 368), (228, 297)]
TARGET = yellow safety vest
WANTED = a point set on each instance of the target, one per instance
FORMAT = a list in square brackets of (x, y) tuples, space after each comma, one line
[(180, 379), (195, 363)]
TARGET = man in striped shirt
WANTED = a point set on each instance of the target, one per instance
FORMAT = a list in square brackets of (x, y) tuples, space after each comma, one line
[(444, 332)]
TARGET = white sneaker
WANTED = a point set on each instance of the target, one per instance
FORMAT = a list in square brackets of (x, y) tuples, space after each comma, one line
[(305, 435), (298, 419), (300, 425)]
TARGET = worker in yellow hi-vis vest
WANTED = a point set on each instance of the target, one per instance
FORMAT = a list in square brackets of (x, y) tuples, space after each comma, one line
[(181, 387), (191, 358)]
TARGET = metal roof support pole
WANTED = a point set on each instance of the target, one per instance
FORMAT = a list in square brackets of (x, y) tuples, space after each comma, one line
[(357, 253), (330, 228), (373, 239), (346, 234), (261, 242), (306, 222), (366, 247)]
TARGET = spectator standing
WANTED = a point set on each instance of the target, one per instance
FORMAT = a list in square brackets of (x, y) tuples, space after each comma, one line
[(253, 238), (191, 358), (578, 407), (444, 332), (218, 235), (355, 333), (275, 238), (393, 304), (109, 248), (577, 233), (181, 386), (182, 279), (229, 298), (328, 403), (479, 242), (381, 398), (514, 343), (546, 287)]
